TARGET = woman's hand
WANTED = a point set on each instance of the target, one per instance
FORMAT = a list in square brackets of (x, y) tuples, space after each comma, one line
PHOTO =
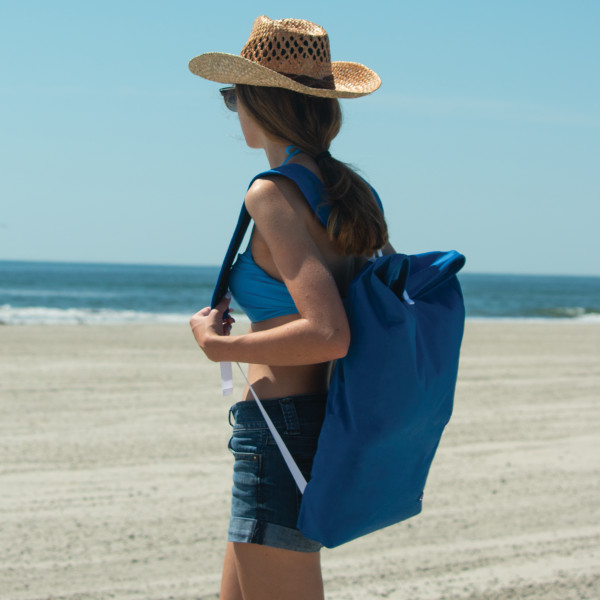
[(208, 324)]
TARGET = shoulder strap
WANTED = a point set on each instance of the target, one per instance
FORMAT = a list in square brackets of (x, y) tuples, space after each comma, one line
[(308, 183), (234, 245), (312, 189)]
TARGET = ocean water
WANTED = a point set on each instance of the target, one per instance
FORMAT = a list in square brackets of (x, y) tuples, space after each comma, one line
[(80, 293), (531, 296)]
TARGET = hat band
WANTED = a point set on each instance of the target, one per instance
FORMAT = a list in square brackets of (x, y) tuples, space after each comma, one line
[(326, 83)]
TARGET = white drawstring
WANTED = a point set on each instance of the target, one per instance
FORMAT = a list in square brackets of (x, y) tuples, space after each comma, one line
[(227, 387)]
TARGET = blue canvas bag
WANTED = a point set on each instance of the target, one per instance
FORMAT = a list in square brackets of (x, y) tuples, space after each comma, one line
[(390, 397)]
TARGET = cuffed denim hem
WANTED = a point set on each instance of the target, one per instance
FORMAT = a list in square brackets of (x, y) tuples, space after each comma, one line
[(267, 534)]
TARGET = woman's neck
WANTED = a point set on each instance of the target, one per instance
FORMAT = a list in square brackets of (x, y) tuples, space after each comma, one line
[(276, 152)]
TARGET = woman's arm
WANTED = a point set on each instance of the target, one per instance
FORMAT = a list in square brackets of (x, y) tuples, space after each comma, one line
[(321, 333)]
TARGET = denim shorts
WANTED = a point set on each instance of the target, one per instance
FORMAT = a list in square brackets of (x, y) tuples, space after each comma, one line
[(266, 500)]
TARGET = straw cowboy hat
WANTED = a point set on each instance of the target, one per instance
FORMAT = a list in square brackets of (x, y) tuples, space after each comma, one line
[(291, 54)]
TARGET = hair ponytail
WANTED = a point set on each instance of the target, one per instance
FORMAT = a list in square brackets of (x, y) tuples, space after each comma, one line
[(356, 224)]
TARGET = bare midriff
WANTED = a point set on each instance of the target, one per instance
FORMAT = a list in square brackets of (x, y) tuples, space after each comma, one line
[(279, 382)]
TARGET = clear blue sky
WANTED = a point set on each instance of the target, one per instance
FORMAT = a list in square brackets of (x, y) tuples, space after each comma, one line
[(484, 137)]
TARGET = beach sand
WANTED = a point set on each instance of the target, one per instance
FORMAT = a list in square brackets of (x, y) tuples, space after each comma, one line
[(115, 477)]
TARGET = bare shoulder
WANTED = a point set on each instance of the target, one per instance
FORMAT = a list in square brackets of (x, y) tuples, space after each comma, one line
[(274, 196)]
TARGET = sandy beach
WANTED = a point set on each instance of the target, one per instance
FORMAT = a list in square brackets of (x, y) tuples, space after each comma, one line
[(115, 477)]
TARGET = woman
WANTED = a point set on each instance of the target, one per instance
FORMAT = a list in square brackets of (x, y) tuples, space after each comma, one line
[(290, 282)]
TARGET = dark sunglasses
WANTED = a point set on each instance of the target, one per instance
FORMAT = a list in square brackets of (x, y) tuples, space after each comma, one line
[(229, 98)]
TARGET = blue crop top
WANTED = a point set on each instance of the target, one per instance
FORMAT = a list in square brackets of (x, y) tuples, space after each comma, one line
[(261, 296)]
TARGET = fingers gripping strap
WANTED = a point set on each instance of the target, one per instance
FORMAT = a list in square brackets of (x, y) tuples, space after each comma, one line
[(289, 461)]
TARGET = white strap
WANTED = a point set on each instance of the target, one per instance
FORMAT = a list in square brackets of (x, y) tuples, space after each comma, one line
[(226, 378), (289, 461)]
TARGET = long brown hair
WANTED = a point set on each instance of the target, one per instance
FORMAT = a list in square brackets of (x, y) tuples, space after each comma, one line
[(356, 224)]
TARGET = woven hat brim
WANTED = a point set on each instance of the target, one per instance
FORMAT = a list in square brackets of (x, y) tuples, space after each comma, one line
[(351, 80)]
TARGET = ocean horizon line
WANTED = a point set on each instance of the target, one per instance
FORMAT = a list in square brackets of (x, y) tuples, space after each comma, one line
[(94, 263), (80, 292), (41, 316)]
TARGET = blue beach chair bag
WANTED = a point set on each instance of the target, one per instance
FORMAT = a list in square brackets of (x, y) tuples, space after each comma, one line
[(390, 397)]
